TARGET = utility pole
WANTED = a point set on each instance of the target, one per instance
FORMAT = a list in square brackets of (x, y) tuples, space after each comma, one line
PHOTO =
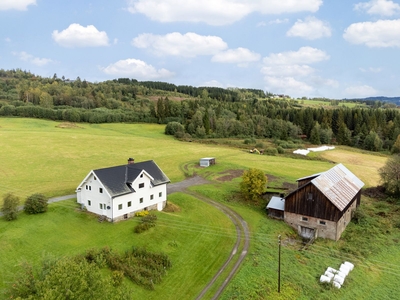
[(279, 263)]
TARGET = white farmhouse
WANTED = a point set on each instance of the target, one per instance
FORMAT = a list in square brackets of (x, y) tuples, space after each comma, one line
[(118, 192)]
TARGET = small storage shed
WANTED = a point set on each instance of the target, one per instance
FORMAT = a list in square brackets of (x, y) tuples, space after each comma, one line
[(207, 161), (276, 207)]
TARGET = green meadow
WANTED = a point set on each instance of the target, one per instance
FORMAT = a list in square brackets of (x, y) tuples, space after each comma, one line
[(52, 158)]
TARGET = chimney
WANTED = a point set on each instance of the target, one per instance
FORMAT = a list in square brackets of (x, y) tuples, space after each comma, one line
[(131, 161)]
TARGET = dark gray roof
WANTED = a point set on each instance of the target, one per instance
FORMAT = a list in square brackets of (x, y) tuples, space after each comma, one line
[(117, 179)]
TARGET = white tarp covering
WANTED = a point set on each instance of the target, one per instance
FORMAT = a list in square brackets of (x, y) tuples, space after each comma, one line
[(308, 150)]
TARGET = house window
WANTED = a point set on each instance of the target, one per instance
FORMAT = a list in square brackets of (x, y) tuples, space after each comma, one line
[(151, 197), (101, 190), (87, 187), (160, 194), (141, 185), (141, 175), (141, 200), (129, 203), (322, 222), (310, 197), (101, 205), (305, 219), (89, 202), (90, 188), (119, 206), (95, 178)]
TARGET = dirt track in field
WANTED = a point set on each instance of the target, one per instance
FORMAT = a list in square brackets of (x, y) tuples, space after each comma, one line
[(239, 250)]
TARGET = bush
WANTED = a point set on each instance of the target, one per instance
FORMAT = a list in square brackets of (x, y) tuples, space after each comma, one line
[(10, 207), (280, 150), (249, 141), (35, 204), (147, 222), (260, 145), (174, 128), (271, 151), (142, 213), (171, 207)]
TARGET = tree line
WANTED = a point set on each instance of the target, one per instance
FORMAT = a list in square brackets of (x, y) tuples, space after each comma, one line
[(199, 112)]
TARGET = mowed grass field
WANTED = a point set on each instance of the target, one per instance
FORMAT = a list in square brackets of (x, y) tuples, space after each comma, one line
[(42, 156), (47, 157)]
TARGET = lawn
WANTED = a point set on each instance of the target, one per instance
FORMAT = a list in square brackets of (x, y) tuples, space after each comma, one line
[(190, 240), (52, 158)]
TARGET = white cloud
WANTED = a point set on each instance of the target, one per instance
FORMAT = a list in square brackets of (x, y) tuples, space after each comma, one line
[(213, 83), (361, 91), (16, 4), (79, 36), (371, 70), (221, 12), (305, 55), (240, 56), (31, 59), (290, 73), (379, 7), (188, 45), (138, 69), (311, 28), (287, 70), (287, 85), (383, 33), (279, 21)]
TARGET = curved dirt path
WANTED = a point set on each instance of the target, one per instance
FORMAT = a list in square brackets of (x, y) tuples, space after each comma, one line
[(242, 233)]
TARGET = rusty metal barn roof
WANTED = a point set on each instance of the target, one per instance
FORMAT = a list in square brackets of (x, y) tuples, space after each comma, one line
[(339, 185)]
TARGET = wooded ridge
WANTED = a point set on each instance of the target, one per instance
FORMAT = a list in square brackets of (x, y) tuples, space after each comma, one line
[(201, 111)]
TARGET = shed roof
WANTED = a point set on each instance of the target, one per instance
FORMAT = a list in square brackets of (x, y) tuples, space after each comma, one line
[(339, 185), (277, 203), (117, 179)]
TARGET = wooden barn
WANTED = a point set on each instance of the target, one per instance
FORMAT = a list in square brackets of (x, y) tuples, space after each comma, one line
[(323, 204)]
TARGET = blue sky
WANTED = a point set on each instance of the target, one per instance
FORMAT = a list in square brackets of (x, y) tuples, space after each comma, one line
[(313, 48)]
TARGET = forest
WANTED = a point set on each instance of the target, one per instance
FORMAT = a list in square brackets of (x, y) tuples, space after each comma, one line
[(199, 112)]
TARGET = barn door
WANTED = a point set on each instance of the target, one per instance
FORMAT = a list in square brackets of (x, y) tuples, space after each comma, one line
[(308, 233)]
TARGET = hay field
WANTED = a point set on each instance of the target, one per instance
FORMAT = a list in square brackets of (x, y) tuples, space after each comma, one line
[(39, 156)]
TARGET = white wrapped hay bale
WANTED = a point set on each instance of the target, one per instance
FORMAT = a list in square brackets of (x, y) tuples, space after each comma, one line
[(324, 278), (338, 279), (344, 269), (329, 274), (336, 284), (350, 265), (341, 274), (331, 270)]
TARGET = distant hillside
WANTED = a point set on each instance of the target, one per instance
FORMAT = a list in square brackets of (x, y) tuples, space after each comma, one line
[(395, 100)]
